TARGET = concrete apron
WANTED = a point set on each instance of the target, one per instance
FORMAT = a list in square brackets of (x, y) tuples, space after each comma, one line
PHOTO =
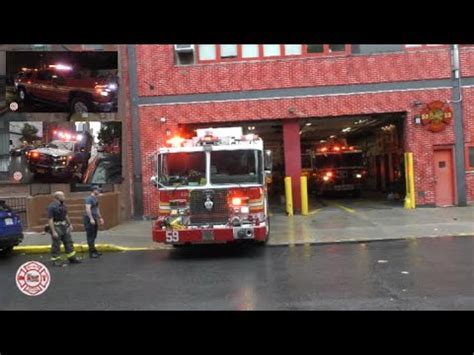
[(334, 222)]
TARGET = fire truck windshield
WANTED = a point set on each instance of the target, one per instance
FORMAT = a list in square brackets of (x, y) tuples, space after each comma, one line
[(323, 161), (182, 169), (236, 167)]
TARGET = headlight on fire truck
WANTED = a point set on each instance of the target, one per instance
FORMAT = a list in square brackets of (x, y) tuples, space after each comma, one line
[(244, 209), (358, 176)]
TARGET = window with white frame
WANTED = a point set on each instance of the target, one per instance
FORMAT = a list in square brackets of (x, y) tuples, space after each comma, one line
[(250, 50), (271, 50), (228, 51), (293, 49), (207, 52)]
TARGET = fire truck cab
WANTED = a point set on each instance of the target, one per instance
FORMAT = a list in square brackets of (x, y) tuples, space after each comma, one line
[(212, 188), (337, 167)]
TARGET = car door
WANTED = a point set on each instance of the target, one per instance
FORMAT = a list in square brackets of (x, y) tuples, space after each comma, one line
[(43, 85), (59, 91)]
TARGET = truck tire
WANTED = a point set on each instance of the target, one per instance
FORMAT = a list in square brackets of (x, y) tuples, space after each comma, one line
[(6, 250), (267, 236), (80, 104), (22, 95)]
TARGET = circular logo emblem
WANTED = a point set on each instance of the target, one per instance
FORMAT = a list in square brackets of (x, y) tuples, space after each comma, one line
[(33, 278), (436, 115), (17, 175), (13, 106), (208, 203)]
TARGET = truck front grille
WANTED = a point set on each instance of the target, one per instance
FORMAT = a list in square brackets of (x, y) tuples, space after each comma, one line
[(218, 214)]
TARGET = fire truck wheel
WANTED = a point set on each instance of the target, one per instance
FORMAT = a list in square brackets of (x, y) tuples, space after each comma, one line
[(6, 251), (79, 105)]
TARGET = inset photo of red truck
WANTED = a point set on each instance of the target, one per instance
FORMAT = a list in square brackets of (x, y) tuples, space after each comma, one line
[(73, 82), (65, 152)]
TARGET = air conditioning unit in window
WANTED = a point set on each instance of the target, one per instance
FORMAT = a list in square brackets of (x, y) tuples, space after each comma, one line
[(184, 48)]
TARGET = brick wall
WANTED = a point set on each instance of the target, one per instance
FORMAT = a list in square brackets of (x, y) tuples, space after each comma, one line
[(156, 67), (417, 138)]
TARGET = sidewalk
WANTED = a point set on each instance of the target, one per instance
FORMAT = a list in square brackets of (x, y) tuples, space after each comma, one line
[(331, 224)]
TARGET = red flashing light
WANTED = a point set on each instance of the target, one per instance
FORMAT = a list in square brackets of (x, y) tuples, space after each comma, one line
[(336, 149), (329, 173), (351, 148), (35, 155), (176, 141), (324, 149)]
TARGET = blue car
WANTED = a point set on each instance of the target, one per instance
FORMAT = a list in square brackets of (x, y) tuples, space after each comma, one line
[(11, 232)]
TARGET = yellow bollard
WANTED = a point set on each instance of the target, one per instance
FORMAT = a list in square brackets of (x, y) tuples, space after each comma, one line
[(409, 181), (304, 196), (288, 196)]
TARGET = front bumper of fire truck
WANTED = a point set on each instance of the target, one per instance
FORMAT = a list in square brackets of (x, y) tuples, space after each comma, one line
[(339, 186), (208, 235)]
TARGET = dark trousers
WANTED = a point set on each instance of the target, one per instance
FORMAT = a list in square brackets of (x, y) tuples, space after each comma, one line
[(91, 232), (64, 236)]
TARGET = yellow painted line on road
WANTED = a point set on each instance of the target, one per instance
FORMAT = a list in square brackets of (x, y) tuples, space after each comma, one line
[(80, 248), (347, 209), (316, 211)]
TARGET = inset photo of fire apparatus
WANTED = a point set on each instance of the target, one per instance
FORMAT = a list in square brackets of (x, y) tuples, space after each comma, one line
[(65, 152), (73, 82)]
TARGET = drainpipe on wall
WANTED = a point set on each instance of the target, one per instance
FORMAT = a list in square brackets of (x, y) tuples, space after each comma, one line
[(458, 126), (136, 151)]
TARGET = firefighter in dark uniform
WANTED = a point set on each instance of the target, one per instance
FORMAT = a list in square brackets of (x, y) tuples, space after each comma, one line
[(60, 227)]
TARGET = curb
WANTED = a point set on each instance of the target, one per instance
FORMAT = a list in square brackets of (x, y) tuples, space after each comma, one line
[(79, 248)]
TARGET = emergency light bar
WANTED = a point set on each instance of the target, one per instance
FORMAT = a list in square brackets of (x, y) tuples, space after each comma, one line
[(220, 132), (60, 67), (68, 136)]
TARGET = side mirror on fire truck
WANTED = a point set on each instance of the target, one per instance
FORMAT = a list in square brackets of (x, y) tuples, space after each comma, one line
[(268, 161)]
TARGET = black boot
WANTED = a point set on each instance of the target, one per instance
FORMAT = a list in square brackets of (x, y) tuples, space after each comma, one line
[(58, 262), (74, 260), (94, 254)]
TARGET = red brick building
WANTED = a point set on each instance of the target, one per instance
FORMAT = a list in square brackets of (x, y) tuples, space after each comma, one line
[(294, 95)]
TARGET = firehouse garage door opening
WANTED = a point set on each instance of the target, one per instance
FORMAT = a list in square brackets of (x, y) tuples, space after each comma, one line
[(357, 159)]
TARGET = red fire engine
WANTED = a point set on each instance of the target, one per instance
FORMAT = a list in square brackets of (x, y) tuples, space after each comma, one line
[(212, 188), (336, 166)]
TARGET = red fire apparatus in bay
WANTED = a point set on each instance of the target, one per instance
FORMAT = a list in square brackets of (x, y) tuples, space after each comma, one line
[(212, 188), (337, 167)]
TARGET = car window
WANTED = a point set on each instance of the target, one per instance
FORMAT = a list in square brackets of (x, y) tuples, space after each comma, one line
[(45, 75), (99, 176), (107, 172), (4, 207)]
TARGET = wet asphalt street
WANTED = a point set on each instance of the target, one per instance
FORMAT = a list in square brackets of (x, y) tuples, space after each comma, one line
[(423, 274)]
